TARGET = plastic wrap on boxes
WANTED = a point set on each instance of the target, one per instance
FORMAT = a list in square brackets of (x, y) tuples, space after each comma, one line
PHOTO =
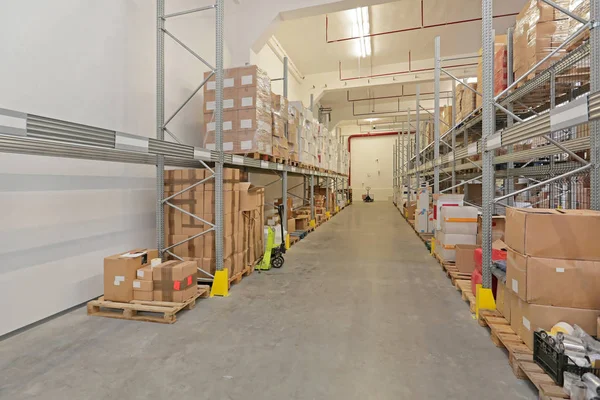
[(280, 105), (539, 29), (581, 8), (247, 129)]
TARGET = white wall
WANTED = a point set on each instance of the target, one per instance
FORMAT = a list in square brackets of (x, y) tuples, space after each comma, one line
[(94, 63), (371, 164)]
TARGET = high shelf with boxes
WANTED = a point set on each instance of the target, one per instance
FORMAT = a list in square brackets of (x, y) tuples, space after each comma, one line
[(524, 149), (238, 104)]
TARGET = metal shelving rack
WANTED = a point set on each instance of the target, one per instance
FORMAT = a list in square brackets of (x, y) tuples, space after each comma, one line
[(31, 134), (523, 111)]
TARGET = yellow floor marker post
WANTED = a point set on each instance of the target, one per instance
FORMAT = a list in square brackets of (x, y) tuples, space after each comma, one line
[(312, 223), (327, 214), (220, 285), (432, 245), (484, 299), (287, 241)]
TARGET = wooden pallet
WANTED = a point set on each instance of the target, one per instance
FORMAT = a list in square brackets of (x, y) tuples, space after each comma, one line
[(520, 357), (294, 240), (150, 311), (237, 278), (464, 287)]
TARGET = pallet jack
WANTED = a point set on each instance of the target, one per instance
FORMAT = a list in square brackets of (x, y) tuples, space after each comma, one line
[(368, 198), (274, 252)]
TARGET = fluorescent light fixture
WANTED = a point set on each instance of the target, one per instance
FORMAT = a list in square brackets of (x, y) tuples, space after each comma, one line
[(360, 28)]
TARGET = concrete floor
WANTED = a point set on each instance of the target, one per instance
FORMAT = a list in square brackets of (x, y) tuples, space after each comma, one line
[(359, 311)]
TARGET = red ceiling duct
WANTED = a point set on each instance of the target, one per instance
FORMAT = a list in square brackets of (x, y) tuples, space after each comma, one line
[(423, 26)]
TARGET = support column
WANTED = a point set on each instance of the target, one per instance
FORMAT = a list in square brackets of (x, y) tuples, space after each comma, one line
[(510, 182), (417, 138), (312, 197), (408, 161), (160, 121), (489, 127), (221, 282), (436, 124), (453, 136), (284, 197), (552, 191), (395, 171), (594, 88)]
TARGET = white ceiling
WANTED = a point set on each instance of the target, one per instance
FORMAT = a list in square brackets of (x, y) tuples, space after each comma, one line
[(305, 39)]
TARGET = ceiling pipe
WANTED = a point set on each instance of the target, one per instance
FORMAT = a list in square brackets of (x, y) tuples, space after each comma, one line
[(422, 27), (349, 100), (409, 71), (365, 135)]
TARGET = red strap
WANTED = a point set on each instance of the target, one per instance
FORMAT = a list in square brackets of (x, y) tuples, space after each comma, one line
[(189, 280), (177, 285)]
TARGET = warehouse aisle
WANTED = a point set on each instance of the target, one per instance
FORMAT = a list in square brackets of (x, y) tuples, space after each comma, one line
[(359, 311)]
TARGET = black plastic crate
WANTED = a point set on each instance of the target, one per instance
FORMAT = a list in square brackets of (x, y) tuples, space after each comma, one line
[(555, 363)]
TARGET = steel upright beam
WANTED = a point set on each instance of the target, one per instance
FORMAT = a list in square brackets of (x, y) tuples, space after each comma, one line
[(220, 14), (489, 126), (408, 159), (395, 170), (284, 181), (327, 184), (160, 120), (417, 137), (312, 197), (552, 194), (284, 197), (436, 111), (453, 136), (510, 181), (594, 88)]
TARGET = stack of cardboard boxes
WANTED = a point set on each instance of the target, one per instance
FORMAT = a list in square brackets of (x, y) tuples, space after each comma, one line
[(465, 101), (280, 119), (423, 211), (252, 205), (540, 28), (500, 67), (553, 270), (247, 121), (200, 201), (293, 133), (130, 276), (458, 226)]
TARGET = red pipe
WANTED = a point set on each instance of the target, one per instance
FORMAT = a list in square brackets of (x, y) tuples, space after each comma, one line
[(348, 99), (409, 71), (423, 26), (369, 134)]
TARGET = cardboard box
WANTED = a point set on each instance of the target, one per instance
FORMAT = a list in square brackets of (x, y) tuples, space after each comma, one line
[(498, 228), (230, 80), (527, 318), (143, 286), (249, 196), (230, 100), (459, 220), (291, 225), (143, 289), (175, 281), (302, 222), (145, 273), (120, 270), (247, 97), (504, 301), (548, 233), (554, 282), (465, 260), (247, 76)]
